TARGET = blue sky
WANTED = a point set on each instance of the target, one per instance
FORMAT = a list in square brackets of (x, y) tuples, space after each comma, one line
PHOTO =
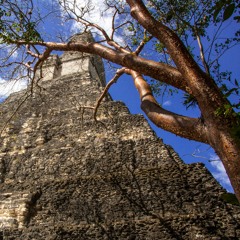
[(124, 90)]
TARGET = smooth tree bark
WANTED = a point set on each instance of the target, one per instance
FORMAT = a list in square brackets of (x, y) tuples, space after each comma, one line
[(217, 128), (213, 129)]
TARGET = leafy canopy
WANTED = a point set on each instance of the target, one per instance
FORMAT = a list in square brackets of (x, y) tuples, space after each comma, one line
[(16, 22)]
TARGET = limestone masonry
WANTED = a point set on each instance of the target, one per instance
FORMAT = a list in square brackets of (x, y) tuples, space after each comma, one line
[(64, 176)]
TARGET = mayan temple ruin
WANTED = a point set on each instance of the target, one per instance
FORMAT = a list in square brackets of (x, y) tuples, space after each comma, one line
[(65, 176)]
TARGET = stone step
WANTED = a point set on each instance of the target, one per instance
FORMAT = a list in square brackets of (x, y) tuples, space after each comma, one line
[(56, 158), (144, 200), (149, 228)]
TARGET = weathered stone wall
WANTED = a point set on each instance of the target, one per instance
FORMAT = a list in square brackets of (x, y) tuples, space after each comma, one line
[(65, 176)]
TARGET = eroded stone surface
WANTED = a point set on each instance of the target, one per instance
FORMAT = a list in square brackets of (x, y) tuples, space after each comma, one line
[(64, 176)]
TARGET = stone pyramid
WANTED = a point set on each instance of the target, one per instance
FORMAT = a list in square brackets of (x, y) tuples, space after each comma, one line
[(65, 176)]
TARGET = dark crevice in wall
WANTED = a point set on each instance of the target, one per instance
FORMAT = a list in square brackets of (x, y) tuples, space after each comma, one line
[(2, 170), (33, 207)]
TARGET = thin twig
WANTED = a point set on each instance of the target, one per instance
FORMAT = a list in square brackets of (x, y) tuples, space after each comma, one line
[(118, 74), (202, 55), (143, 43)]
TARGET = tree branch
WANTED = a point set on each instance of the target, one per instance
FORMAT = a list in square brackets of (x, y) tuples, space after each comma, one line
[(143, 43), (190, 128), (202, 86), (118, 74), (174, 45), (86, 23), (202, 55), (158, 71), (38, 65)]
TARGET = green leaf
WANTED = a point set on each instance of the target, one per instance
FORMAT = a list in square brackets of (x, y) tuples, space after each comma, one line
[(169, 16), (217, 11), (8, 14), (228, 11), (230, 198), (189, 101)]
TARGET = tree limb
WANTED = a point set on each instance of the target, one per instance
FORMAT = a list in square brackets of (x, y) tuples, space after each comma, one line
[(174, 45), (202, 55), (190, 128), (39, 64), (156, 70), (203, 87), (118, 74), (143, 43)]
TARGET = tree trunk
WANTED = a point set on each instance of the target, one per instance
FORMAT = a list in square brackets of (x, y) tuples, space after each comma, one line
[(215, 129), (228, 149)]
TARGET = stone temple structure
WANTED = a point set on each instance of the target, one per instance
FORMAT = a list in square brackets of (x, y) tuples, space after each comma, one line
[(65, 176)]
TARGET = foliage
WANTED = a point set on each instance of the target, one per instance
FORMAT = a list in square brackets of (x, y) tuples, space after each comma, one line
[(228, 7), (16, 22), (230, 198), (189, 100), (198, 22)]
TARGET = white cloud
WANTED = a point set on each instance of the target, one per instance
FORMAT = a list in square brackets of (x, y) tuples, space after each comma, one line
[(8, 87), (99, 13), (219, 172), (167, 103)]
